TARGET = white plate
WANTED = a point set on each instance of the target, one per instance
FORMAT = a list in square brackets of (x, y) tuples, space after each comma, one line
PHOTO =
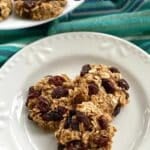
[(66, 53), (14, 22)]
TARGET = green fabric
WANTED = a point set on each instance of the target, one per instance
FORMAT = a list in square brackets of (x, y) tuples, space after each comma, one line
[(125, 24), (133, 26)]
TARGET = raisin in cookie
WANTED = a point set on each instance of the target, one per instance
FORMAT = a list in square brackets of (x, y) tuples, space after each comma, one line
[(104, 86), (85, 128), (39, 9), (48, 100), (5, 9)]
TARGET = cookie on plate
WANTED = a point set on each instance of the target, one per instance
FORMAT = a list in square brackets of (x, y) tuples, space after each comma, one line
[(104, 86), (39, 9), (85, 128), (5, 9), (48, 100)]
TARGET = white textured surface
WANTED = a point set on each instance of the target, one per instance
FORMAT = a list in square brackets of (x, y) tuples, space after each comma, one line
[(66, 53), (14, 22)]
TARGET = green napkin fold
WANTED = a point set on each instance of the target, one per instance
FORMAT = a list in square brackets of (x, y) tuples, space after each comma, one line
[(125, 24)]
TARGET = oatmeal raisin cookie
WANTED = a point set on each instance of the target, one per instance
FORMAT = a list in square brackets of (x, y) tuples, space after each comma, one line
[(48, 100), (85, 128), (5, 9), (104, 86), (39, 9)]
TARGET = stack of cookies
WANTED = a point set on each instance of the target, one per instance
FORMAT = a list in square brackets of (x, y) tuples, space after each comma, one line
[(79, 111), (32, 9)]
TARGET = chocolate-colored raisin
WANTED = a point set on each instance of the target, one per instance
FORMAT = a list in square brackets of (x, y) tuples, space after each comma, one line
[(117, 110), (69, 119), (61, 109), (81, 117), (76, 145), (26, 14), (103, 122), (101, 141), (31, 90), (29, 117), (72, 112), (78, 99), (59, 92), (92, 88), (43, 105), (33, 93), (108, 86), (85, 69), (67, 122), (123, 84), (127, 95), (60, 146), (56, 80), (75, 125), (114, 70), (52, 116)]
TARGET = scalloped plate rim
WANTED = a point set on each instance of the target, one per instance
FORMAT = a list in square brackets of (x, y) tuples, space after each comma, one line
[(61, 34)]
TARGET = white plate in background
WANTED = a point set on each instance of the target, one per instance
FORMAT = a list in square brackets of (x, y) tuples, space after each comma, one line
[(14, 22), (66, 53)]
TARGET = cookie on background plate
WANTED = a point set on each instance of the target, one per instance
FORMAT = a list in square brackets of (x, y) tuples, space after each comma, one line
[(5, 9), (39, 9)]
